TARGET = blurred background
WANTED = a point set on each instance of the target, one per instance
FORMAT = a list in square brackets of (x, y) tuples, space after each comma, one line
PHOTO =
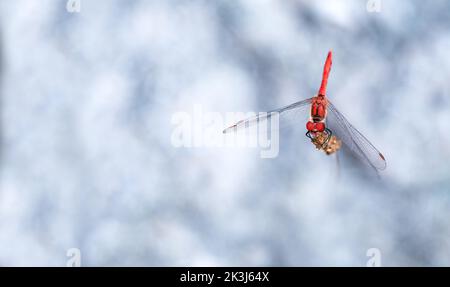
[(88, 95)]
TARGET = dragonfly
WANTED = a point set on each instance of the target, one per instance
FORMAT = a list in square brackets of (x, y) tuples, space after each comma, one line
[(326, 126)]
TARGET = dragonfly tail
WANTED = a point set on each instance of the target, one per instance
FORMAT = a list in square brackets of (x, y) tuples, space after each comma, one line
[(326, 72)]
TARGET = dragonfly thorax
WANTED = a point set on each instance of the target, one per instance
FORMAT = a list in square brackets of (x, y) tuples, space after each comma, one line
[(318, 108)]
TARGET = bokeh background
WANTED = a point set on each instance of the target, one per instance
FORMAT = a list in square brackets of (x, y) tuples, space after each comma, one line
[(86, 157)]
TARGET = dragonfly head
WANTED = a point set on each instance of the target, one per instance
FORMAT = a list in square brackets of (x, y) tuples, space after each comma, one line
[(315, 126)]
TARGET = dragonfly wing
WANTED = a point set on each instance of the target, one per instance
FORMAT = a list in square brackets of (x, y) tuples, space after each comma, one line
[(353, 139), (287, 116)]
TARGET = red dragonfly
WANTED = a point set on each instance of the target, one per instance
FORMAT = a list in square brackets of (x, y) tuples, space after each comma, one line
[(324, 120)]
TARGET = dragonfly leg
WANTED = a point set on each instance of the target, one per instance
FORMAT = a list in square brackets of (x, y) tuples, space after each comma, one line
[(329, 134), (308, 134)]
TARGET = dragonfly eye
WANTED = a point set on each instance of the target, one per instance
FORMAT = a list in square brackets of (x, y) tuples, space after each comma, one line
[(320, 127), (310, 126)]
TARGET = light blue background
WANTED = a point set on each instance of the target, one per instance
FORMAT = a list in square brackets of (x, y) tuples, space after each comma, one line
[(87, 162)]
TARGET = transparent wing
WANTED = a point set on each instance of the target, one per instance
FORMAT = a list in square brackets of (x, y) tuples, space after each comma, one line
[(288, 115), (353, 139)]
